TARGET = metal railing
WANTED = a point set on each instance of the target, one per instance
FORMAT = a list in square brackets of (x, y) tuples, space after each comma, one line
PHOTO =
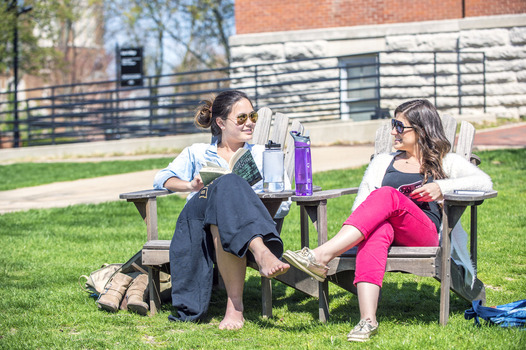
[(328, 88)]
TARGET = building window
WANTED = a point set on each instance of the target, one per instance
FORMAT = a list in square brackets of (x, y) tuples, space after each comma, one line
[(360, 97)]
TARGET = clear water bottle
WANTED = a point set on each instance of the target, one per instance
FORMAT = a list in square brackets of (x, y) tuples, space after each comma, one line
[(273, 168), (302, 164)]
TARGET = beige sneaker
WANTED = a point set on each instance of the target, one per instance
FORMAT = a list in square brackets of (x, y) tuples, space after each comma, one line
[(363, 331), (305, 261)]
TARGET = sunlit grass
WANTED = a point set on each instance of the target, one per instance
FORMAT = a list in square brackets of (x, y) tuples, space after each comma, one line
[(43, 252), (19, 175)]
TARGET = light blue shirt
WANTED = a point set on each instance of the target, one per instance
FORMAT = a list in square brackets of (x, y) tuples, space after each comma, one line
[(188, 164)]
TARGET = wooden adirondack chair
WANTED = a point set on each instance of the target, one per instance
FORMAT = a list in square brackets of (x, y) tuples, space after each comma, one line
[(433, 262), (155, 252)]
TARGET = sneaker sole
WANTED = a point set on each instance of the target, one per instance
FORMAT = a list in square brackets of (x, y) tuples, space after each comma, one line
[(299, 266), (361, 340)]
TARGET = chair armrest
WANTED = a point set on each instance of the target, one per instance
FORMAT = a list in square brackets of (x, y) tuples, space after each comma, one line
[(468, 199), (323, 195), (145, 194)]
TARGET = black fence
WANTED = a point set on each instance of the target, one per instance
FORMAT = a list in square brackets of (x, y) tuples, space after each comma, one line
[(358, 87)]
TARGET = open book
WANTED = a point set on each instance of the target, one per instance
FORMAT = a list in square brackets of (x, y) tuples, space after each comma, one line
[(242, 163)]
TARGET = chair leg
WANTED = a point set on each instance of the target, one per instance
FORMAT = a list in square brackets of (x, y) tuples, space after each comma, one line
[(266, 297), (445, 269), (154, 285), (324, 301), (445, 282), (444, 301)]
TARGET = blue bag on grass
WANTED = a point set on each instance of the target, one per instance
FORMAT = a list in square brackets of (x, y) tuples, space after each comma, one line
[(507, 315)]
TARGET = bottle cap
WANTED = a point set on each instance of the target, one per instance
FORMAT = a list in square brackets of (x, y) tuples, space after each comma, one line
[(298, 137), (272, 145)]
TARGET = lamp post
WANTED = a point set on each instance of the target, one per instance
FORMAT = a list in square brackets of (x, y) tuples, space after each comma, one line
[(19, 9)]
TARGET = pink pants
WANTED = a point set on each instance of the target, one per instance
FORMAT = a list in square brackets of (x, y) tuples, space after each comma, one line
[(386, 218)]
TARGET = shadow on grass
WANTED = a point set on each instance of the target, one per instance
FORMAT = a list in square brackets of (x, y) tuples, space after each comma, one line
[(400, 302)]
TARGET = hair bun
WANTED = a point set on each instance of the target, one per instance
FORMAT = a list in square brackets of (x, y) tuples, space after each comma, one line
[(203, 115)]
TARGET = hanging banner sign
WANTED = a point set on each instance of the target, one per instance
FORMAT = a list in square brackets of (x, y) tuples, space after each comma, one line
[(130, 63)]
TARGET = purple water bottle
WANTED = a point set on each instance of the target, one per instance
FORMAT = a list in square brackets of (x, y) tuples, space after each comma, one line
[(302, 164)]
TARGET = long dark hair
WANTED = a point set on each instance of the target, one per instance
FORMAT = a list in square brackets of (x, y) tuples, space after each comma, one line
[(215, 107), (432, 142)]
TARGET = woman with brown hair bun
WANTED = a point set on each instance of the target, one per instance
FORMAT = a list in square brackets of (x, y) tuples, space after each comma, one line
[(225, 221)]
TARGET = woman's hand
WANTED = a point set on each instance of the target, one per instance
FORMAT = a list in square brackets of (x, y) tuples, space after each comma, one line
[(428, 193), (177, 185), (196, 184)]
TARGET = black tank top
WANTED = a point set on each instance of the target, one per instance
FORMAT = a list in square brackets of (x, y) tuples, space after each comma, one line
[(406, 183)]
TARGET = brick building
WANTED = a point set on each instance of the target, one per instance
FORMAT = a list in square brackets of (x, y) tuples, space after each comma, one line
[(277, 15), (468, 56)]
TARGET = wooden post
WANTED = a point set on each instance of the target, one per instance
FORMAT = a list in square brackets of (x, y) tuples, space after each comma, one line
[(445, 268), (266, 297), (154, 286), (147, 207), (473, 237), (321, 227), (304, 226)]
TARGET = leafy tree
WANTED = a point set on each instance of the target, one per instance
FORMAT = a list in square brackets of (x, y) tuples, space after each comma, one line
[(176, 34), (211, 22), (32, 57), (48, 37)]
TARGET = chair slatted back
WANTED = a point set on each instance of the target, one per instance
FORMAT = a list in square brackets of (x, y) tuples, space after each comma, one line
[(383, 142), (266, 129), (450, 128), (279, 129), (465, 139), (262, 128), (276, 128)]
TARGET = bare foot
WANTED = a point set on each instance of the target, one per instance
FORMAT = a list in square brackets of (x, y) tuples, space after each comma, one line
[(233, 320), (270, 266)]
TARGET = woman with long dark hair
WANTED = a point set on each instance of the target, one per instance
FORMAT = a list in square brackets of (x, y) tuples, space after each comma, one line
[(398, 203)]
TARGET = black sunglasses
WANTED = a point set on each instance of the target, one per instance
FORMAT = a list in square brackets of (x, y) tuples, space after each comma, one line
[(242, 118), (399, 126)]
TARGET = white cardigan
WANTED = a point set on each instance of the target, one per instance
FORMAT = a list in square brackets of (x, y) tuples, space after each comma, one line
[(461, 175)]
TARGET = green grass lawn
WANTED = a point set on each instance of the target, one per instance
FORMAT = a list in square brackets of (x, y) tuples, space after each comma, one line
[(19, 175), (43, 252)]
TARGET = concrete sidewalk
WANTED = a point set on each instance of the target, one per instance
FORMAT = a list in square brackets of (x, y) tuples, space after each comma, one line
[(108, 188), (506, 136)]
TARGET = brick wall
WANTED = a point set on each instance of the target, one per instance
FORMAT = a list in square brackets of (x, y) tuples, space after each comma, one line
[(476, 8), (260, 16)]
